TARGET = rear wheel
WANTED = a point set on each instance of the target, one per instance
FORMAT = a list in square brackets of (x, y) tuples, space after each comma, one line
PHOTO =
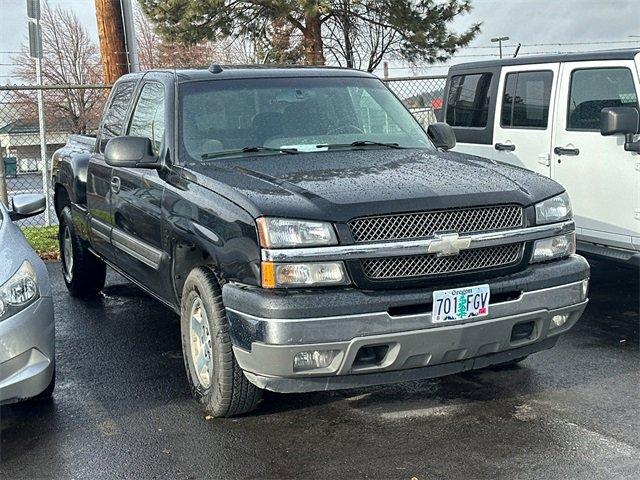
[(216, 380), (83, 272)]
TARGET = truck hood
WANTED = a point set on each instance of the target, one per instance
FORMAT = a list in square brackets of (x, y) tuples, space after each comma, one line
[(340, 185)]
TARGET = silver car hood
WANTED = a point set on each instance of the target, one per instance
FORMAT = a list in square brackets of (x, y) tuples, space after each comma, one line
[(14, 250)]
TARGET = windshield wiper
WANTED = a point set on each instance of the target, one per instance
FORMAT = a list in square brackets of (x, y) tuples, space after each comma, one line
[(361, 143), (224, 153)]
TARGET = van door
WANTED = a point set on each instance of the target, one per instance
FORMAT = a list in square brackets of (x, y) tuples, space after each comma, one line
[(599, 175), (524, 116)]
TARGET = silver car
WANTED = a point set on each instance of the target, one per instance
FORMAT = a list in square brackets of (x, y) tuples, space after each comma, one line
[(27, 343)]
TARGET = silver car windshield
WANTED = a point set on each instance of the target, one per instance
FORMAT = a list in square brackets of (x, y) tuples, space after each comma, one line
[(283, 115)]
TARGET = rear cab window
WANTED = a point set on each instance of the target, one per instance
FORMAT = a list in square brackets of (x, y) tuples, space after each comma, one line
[(592, 89)]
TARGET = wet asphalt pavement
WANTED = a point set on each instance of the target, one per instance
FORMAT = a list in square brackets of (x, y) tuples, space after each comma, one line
[(122, 408)]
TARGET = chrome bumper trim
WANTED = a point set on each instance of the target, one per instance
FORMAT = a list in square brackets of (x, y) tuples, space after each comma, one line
[(412, 247)]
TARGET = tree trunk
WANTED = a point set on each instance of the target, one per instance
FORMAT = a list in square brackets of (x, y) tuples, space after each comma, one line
[(313, 47), (112, 43), (346, 29)]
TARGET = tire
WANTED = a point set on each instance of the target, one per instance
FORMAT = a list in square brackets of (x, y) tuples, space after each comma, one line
[(216, 380), (83, 272)]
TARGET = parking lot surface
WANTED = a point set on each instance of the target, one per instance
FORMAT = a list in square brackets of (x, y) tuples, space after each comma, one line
[(122, 408)]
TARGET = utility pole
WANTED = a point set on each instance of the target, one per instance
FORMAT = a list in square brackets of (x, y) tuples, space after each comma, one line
[(35, 51), (500, 40), (111, 33)]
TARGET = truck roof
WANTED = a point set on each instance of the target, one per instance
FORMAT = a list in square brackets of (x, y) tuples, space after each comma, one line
[(621, 54), (225, 72)]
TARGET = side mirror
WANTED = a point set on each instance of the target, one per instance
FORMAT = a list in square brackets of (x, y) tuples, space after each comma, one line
[(621, 121), (27, 205), (442, 135), (132, 152)]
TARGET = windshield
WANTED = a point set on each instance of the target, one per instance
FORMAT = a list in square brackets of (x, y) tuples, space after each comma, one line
[(222, 117)]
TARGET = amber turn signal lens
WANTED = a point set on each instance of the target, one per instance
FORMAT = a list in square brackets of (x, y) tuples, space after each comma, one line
[(268, 274)]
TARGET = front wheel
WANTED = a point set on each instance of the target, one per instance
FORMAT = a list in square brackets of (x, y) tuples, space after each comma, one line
[(83, 272), (216, 380)]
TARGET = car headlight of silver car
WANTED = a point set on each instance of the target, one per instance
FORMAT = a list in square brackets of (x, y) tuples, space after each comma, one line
[(554, 209), (20, 291)]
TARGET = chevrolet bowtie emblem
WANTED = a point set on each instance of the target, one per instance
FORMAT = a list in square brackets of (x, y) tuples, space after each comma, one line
[(447, 244)]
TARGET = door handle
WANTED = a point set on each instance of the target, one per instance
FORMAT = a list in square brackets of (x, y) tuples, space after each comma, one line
[(566, 151), (505, 147), (115, 184)]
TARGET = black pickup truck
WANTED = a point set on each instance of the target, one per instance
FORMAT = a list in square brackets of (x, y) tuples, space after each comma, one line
[(311, 234)]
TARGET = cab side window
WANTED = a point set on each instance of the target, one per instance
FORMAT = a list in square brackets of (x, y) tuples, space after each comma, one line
[(525, 101), (148, 117), (114, 116), (597, 88), (468, 100)]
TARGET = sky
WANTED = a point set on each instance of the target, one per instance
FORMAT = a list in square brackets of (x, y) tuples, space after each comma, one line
[(559, 24)]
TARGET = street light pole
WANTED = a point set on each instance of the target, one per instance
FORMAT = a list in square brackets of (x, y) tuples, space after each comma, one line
[(35, 51), (500, 40)]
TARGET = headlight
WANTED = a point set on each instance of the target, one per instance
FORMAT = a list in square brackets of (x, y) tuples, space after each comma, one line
[(279, 275), (554, 247), (19, 291), (283, 233), (555, 209)]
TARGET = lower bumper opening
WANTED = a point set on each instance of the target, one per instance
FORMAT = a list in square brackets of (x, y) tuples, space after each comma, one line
[(523, 331), (370, 356)]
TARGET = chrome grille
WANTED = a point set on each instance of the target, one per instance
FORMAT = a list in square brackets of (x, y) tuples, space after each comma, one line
[(423, 265), (426, 224)]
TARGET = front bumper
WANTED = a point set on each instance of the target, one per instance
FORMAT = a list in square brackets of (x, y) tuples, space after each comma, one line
[(27, 348), (347, 321)]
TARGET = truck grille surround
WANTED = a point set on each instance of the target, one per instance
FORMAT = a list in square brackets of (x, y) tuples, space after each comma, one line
[(413, 226)]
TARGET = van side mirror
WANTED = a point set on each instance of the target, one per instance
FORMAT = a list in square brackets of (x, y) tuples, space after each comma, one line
[(621, 121), (442, 135), (131, 152), (27, 205)]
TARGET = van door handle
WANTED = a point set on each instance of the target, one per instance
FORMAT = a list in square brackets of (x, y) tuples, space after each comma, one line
[(566, 151), (505, 147), (115, 185)]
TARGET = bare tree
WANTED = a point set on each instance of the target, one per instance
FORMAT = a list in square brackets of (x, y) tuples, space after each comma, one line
[(70, 57), (156, 52)]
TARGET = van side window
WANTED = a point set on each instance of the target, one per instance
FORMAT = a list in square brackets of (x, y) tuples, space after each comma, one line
[(148, 117), (468, 100), (525, 102), (597, 88), (114, 115)]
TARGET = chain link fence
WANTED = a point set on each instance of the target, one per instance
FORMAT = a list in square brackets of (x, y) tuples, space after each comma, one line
[(423, 96), (26, 148), (77, 109)]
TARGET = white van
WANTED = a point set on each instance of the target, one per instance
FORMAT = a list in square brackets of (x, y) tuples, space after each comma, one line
[(569, 117)]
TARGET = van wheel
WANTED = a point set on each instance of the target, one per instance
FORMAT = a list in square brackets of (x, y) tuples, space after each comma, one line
[(216, 380), (83, 272)]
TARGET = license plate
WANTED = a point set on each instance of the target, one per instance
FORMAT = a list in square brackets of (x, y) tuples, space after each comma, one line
[(460, 303)]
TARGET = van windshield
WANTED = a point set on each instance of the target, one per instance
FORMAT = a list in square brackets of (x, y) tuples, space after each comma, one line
[(292, 115)]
